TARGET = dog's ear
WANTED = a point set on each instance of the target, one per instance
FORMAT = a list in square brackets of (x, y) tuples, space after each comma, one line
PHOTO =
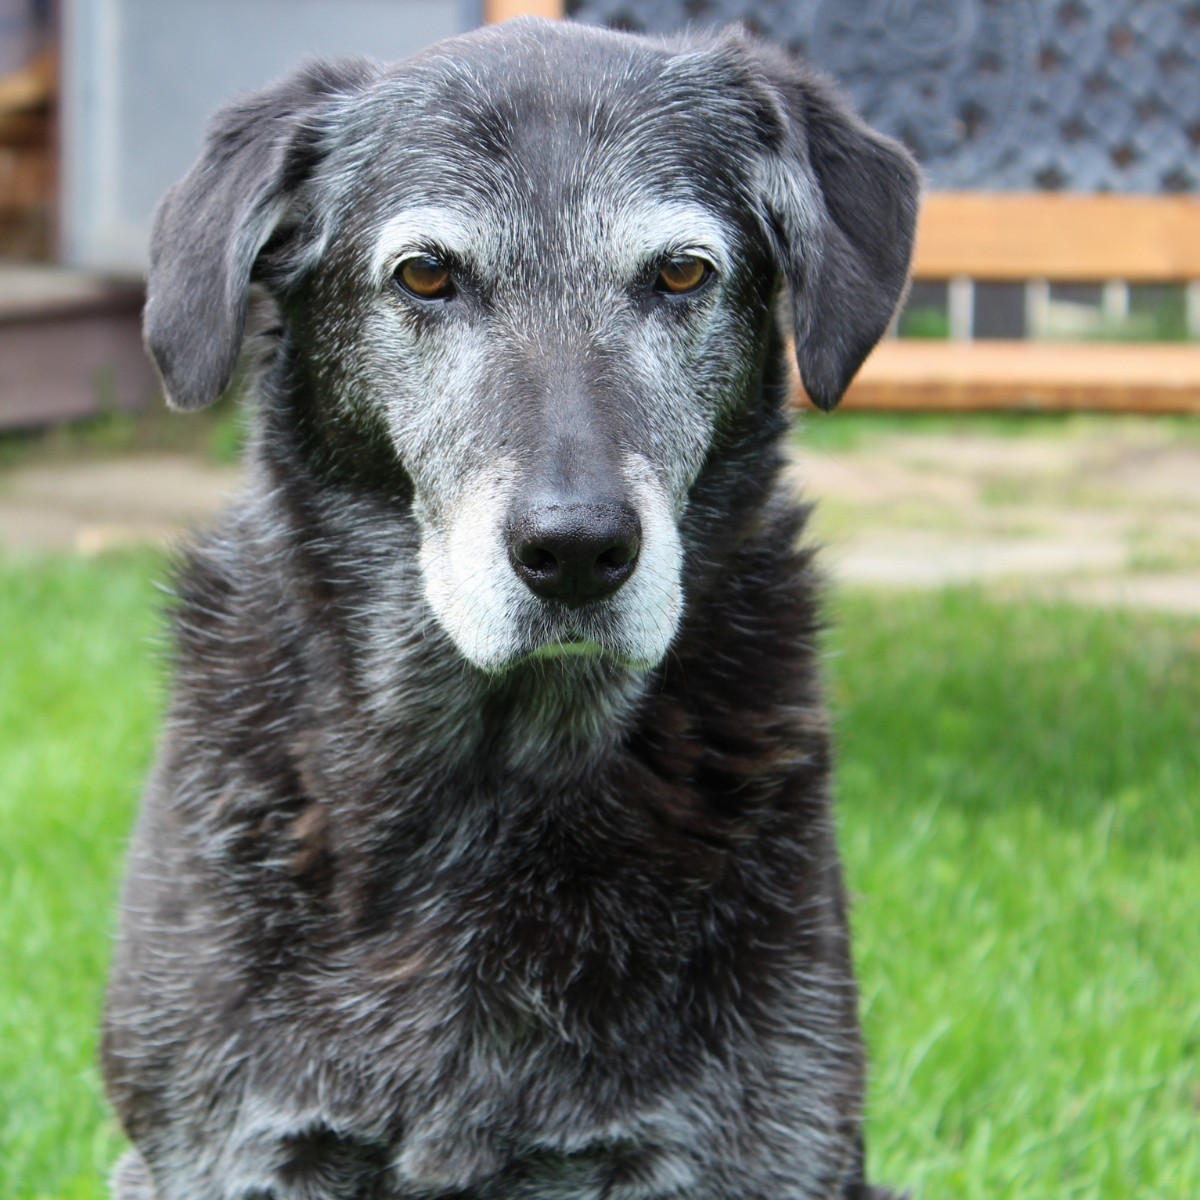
[(211, 225), (842, 200)]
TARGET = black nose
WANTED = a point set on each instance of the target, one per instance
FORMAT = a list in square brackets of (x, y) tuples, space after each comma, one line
[(575, 553)]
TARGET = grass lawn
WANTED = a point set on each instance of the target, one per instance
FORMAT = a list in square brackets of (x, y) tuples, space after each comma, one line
[(847, 429), (1021, 820), (80, 692), (1020, 811)]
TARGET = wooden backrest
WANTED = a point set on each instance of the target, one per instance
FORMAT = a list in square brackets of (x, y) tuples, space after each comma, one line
[(1009, 236)]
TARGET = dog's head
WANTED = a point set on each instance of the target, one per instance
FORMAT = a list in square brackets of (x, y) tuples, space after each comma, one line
[(539, 265)]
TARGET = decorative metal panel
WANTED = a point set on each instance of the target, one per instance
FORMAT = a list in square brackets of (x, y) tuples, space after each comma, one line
[(1075, 95)]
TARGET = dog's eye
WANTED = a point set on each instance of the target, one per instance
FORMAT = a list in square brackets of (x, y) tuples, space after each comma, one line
[(425, 277), (682, 273)]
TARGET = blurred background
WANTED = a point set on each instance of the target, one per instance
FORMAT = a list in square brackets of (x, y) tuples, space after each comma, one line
[(1057, 269), (1009, 509)]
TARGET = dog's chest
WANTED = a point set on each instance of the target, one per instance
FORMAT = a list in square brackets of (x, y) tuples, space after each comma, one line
[(469, 1087), (543, 1135), (571, 921), (518, 1018)]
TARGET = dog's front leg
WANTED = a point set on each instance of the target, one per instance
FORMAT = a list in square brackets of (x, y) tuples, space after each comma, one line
[(309, 1166), (131, 1180)]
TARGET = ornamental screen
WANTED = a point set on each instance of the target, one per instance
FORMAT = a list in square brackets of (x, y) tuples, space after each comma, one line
[(1074, 95)]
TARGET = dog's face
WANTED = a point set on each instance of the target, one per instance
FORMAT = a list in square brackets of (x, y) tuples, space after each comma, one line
[(546, 302), (539, 265)]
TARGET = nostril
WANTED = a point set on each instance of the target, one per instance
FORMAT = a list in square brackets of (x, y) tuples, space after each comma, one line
[(536, 558), (620, 555)]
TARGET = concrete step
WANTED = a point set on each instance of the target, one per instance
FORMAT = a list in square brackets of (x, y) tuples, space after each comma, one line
[(70, 346)]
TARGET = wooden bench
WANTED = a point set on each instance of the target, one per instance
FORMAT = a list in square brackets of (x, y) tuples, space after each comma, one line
[(968, 238), (1114, 241)]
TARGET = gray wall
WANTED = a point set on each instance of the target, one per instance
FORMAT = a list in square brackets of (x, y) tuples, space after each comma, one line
[(141, 76)]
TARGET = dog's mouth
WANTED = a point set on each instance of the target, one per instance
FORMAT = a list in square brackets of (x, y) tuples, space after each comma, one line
[(569, 647), (576, 637)]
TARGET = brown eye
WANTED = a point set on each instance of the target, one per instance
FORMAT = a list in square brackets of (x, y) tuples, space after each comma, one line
[(425, 277), (682, 273)]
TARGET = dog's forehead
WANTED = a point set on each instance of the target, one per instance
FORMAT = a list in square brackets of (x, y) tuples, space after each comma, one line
[(621, 141), (547, 93)]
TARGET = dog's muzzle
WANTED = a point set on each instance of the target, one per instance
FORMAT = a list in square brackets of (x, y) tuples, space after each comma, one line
[(513, 572), (574, 553)]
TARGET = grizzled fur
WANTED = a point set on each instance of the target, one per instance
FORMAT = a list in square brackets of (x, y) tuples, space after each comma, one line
[(443, 888)]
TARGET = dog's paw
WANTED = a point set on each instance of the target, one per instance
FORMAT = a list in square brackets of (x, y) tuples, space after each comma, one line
[(130, 1179)]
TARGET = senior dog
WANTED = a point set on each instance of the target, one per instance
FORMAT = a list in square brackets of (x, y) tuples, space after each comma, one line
[(489, 854)]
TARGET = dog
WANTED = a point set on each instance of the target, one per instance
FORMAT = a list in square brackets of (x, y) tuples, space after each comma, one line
[(488, 854)]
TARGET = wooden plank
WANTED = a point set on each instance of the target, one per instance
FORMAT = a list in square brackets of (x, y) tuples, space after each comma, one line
[(30, 87), (495, 11), (1008, 236), (928, 376)]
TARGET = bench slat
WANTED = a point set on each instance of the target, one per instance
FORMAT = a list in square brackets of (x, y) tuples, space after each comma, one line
[(986, 375), (1007, 237)]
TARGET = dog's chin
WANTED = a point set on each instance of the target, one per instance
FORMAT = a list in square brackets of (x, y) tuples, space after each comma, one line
[(570, 651)]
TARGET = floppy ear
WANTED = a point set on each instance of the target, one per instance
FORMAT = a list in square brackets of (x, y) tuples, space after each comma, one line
[(843, 199), (211, 225)]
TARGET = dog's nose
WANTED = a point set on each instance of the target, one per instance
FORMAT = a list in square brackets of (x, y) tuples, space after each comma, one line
[(575, 553)]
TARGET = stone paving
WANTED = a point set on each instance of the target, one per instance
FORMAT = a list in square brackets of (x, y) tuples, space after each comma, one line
[(928, 522), (91, 506), (1108, 513)]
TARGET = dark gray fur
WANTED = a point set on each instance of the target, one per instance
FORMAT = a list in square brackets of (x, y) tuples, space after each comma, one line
[(423, 903)]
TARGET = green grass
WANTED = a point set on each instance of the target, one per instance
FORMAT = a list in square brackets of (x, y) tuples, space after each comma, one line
[(924, 321), (79, 699), (1021, 822), (843, 431), (217, 433), (1020, 791), (1156, 314)]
